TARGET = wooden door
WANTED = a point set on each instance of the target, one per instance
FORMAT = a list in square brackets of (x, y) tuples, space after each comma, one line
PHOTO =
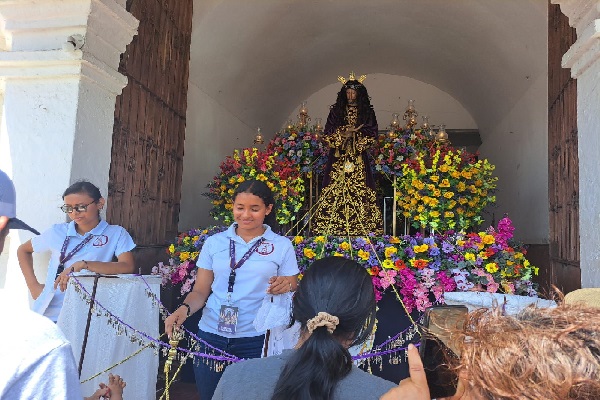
[(147, 153), (563, 161)]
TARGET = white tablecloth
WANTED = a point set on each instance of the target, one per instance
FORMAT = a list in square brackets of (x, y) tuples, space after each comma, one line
[(514, 303), (124, 296)]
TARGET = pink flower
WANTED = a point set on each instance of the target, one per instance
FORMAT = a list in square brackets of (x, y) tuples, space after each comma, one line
[(387, 278)]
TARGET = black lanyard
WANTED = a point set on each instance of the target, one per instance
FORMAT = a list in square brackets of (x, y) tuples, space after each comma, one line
[(233, 265), (64, 258)]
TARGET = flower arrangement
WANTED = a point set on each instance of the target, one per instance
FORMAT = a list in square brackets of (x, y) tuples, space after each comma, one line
[(283, 177), (396, 147), (299, 147), (183, 254), (420, 269), (446, 190), (491, 260)]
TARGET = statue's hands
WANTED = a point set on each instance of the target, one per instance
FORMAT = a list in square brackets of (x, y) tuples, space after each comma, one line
[(351, 131)]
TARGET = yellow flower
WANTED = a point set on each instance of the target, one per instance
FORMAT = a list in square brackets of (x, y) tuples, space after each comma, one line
[(171, 249), (491, 267), (435, 178), (461, 186), (241, 179), (338, 254), (394, 240), (434, 214), (194, 255), (309, 253), (445, 183), (232, 180), (455, 174), (433, 202), (470, 257), (518, 255), (482, 256), (466, 174), (320, 239), (298, 239), (195, 238), (421, 249), (443, 168), (448, 214), (345, 246), (389, 251), (448, 195), (389, 264), (363, 255), (526, 263), (509, 262), (488, 239), (184, 255)]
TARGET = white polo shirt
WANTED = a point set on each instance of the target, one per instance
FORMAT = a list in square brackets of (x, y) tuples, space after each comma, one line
[(274, 257), (109, 241)]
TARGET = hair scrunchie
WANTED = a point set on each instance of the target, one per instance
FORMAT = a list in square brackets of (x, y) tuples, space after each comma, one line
[(323, 319)]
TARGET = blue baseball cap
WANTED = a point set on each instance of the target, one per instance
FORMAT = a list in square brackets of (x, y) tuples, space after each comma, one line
[(8, 204)]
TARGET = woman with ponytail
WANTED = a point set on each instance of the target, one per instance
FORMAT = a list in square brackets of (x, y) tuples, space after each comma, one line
[(236, 269), (335, 306)]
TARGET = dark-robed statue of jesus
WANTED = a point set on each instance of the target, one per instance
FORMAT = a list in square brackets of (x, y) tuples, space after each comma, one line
[(347, 204)]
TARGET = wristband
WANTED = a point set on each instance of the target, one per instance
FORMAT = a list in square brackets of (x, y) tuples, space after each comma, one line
[(189, 309)]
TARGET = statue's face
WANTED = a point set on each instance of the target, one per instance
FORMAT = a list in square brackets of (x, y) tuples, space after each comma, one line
[(351, 96)]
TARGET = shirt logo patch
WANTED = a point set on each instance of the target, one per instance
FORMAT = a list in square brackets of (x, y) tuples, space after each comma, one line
[(265, 249), (100, 241)]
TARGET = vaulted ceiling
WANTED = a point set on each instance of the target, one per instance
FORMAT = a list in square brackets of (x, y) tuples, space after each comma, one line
[(258, 59)]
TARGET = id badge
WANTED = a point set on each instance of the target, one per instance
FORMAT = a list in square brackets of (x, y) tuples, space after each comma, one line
[(228, 319)]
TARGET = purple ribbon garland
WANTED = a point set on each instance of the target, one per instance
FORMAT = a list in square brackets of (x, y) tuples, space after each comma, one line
[(225, 357), (160, 343), (363, 356)]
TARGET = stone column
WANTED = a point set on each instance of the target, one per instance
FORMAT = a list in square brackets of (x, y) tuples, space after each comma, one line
[(58, 83), (583, 58)]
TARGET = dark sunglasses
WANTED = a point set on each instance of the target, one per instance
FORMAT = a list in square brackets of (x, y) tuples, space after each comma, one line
[(79, 208)]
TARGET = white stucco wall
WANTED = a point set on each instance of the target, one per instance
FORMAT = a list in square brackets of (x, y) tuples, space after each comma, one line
[(518, 146), (588, 125), (390, 94), (212, 132)]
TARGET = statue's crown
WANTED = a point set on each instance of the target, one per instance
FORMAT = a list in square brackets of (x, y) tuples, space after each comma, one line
[(352, 77)]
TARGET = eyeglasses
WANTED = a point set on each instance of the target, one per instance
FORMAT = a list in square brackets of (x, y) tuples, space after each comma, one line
[(79, 208)]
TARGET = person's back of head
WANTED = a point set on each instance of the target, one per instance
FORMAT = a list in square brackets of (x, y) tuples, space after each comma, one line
[(548, 354), (335, 305)]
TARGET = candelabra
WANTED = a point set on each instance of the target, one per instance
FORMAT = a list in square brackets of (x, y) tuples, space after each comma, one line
[(259, 139), (410, 115)]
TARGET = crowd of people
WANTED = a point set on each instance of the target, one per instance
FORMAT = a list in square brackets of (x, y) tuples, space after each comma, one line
[(549, 353)]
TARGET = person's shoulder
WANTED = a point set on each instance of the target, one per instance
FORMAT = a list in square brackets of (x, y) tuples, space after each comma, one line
[(37, 331), (361, 381)]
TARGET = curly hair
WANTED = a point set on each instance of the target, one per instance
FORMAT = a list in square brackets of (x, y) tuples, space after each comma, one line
[(550, 354), (362, 99)]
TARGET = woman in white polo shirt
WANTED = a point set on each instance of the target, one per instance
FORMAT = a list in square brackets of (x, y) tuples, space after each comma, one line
[(236, 269), (87, 242)]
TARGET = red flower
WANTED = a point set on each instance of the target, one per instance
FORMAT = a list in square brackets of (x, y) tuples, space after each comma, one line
[(400, 264)]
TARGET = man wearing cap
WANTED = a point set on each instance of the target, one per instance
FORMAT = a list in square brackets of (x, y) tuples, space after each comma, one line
[(37, 361)]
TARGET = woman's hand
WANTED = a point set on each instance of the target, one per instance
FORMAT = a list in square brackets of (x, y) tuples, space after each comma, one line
[(415, 387), (175, 320), (62, 280), (280, 284)]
